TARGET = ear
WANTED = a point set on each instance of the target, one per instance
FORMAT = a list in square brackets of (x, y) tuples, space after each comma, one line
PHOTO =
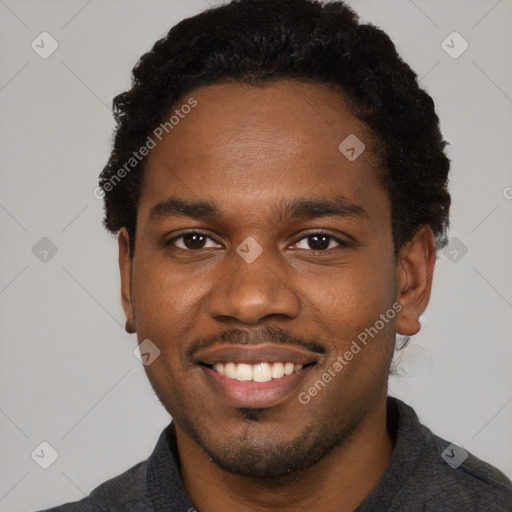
[(125, 268), (415, 267)]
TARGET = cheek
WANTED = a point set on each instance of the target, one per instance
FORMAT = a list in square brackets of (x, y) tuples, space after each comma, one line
[(162, 291), (167, 306), (352, 297), (348, 315)]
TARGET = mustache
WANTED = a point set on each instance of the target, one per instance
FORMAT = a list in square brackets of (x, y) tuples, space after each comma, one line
[(266, 334)]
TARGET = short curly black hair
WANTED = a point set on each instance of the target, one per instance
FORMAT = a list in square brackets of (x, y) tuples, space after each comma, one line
[(262, 41)]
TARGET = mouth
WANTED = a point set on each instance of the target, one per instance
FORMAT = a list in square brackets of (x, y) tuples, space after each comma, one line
[(255, 376)]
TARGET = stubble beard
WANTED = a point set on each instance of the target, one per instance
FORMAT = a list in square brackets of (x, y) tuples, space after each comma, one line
[(267, 457)]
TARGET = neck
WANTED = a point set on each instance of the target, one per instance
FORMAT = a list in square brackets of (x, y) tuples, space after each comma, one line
[(337, 483)]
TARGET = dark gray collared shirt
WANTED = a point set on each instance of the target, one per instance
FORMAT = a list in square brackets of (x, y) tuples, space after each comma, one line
[(419, 477)]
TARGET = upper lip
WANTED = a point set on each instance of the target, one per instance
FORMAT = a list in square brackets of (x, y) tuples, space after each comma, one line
[(254, 354)]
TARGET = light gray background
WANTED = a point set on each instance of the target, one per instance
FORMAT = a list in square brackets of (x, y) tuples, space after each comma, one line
[(68, 375)]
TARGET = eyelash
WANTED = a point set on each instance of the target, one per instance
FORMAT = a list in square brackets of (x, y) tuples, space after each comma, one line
[(342, 243)]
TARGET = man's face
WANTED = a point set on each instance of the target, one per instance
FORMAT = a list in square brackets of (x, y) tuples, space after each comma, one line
[(206, 299)]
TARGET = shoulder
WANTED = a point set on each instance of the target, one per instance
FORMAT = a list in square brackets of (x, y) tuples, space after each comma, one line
[(446, 477), (462, 481), (126, 491), (429, 474)]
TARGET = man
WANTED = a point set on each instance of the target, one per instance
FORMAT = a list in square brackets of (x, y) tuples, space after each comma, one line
[(278, 184)]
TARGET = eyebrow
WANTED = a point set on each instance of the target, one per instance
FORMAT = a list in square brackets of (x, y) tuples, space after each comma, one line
[(310, 208)]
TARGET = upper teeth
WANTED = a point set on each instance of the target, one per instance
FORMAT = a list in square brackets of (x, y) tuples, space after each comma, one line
[(261, 372)]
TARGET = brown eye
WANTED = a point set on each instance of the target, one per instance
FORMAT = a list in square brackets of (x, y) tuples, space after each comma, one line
[(192, 240), (320, 242)]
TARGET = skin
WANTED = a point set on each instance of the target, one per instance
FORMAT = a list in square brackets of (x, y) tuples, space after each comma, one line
[(247, 149)]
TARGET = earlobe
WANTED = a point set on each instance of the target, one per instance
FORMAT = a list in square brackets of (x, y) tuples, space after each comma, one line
[(414, 280), (125, 269)]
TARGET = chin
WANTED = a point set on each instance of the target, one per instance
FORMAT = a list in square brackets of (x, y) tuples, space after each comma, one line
[(266, 455)]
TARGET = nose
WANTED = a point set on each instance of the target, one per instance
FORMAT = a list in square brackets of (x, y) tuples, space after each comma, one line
[(248, 292)]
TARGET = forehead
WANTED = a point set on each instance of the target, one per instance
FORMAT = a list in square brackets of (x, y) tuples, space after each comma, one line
[(249, 147)]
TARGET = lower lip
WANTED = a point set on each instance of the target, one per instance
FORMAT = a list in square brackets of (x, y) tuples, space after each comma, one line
[(252, 394)]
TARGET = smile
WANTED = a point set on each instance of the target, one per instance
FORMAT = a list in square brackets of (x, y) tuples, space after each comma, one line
[(255, 376)]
